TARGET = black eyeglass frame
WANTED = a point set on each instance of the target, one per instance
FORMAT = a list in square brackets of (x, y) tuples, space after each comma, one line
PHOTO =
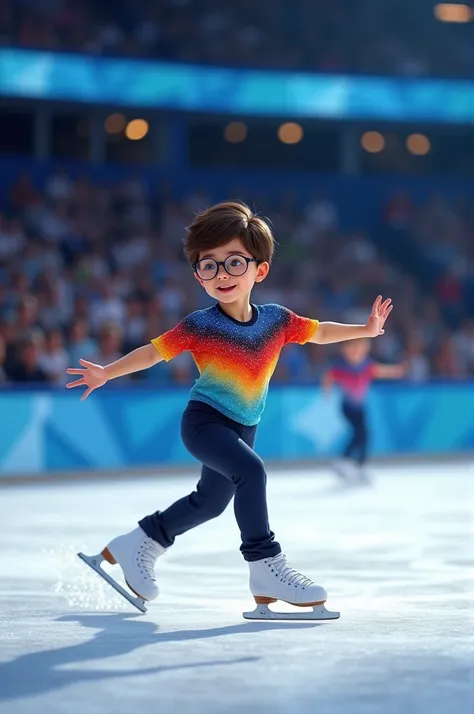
[(223, 262)]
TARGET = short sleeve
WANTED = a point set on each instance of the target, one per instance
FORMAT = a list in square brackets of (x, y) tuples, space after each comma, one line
[(299, 329), (177, 340)]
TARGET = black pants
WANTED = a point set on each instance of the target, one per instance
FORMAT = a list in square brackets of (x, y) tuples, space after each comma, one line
[(357, 447), (231, 468)]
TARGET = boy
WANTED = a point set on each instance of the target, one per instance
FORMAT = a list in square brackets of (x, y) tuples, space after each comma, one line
[(236, 346), (353, 372)]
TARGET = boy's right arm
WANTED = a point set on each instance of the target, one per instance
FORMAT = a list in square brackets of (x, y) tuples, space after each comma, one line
[(141, 358), (93, 375)]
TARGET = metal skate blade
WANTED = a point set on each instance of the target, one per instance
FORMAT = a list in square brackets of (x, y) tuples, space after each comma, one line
[(94, 561), (318, 612)]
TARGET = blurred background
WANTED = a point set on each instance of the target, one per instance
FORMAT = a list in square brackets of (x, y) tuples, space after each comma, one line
[(350, 125)]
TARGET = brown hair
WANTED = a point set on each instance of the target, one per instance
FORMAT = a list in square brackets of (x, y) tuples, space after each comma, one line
[(219, 224)]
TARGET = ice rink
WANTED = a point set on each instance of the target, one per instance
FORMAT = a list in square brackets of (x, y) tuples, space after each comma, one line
[(397, 560)]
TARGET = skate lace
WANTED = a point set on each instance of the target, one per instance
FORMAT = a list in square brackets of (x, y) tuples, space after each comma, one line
[(288, 574), (147, 554)]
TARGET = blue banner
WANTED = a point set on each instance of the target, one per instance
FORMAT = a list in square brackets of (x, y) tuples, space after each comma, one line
[(117, 428), (165, 85)]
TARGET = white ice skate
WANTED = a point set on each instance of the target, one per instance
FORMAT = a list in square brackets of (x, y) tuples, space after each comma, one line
[(274, 579), (345, 470), (136, 554), (364, 476)]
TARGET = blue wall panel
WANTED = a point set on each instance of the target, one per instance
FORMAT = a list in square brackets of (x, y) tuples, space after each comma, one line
[(133, 427)]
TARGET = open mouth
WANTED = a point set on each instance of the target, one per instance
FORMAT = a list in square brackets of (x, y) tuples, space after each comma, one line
[(226, 288)]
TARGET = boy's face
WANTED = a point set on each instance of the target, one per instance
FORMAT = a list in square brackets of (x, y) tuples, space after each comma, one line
[(356, 351), (230, 288)]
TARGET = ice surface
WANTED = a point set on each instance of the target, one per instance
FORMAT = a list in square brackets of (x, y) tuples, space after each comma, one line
[(396, 558)]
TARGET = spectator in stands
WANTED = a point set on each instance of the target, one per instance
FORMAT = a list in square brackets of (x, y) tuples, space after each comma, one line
[(26, 367), (3, 355), (135, 325), (447, 362), (54, 359), (109, 295), (417, 364), (110, 344), (463, 343), (80, 343), (399, 37)]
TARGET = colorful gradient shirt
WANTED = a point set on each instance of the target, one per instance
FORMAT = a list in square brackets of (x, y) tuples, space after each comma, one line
[(354, 380), (235, 359)]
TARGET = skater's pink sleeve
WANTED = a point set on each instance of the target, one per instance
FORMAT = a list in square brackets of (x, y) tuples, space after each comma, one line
[(177, 340)]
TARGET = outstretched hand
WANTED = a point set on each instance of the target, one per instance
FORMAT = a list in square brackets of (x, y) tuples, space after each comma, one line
[(378, 315), (92, 377)]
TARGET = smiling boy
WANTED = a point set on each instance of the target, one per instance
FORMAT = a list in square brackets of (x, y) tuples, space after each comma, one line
[(235, 345)]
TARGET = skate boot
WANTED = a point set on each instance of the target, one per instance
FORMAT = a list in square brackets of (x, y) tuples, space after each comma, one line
[(364, 476), (136, 554), (345, 469), (273, 579)]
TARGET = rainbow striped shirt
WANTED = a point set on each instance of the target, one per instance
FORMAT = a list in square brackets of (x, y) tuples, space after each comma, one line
[(235, 359)]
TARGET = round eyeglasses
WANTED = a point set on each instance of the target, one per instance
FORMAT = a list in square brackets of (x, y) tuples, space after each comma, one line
[(235, 265)]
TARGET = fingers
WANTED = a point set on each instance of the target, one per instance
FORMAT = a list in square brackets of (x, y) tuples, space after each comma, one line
[(380, 308), (81, 382), (76, 383), (376, 305), (85, 363), (384, 316), (86, 393)]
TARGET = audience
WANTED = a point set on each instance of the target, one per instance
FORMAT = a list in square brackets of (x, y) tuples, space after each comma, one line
[(394, 37), (95, 271)]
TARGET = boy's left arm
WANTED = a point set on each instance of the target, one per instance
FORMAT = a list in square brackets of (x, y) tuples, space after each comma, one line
[(329, 332), (388, 371)]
